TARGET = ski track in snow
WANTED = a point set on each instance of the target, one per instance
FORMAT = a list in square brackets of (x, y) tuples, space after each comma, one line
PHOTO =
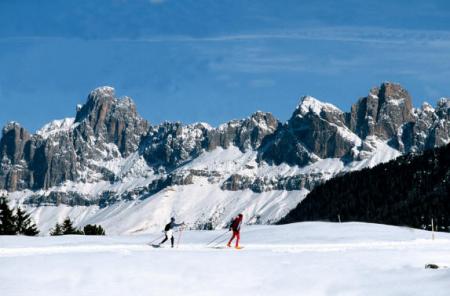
[(126, 248), (311, 258)]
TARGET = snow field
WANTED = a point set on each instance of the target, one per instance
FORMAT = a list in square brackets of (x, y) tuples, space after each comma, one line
[(311, 258)]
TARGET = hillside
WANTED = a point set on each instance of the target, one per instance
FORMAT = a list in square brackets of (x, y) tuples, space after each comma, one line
[(409, 190)]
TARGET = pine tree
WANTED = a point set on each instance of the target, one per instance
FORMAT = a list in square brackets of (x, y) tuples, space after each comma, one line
[(57, 230), (67, 227), (7, 219), (24, 224), (93, 230)]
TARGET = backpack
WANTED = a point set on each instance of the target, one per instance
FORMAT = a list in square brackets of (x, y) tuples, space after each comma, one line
[(235, 223), (167, 228)]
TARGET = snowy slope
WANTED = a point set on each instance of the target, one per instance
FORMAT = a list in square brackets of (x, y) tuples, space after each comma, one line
[(195, 204), (198, 204), (56, 126), (296, 259)]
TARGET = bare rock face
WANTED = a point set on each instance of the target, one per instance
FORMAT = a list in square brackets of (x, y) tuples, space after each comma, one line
[(382, 112), (172, 144), (245, 134), (66, 151), (111, 119), (440, 130), (13, 142), (429, 129), (261, 184), (17, 153), (314, 130)]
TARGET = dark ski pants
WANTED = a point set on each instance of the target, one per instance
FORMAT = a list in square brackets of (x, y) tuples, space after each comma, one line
[(236, 235), (172, 240)]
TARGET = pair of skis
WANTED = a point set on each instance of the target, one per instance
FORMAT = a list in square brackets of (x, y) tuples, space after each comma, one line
[(214, 244), (152, 243), (218, 245)]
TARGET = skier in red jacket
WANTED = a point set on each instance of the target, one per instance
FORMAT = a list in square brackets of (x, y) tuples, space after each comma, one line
[(236, 228)]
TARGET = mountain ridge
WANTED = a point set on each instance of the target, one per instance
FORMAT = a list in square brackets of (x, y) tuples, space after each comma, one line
[(109, 155)]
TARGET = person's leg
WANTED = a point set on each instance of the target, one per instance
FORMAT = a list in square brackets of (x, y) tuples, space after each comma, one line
[(231, 239), (169, 235), (238, 237), (164, 240)]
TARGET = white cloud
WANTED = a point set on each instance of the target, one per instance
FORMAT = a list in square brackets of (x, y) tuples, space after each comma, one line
[(374, 35)]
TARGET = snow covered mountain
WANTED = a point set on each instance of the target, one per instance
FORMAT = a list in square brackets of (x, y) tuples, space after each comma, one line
[(109, 166)]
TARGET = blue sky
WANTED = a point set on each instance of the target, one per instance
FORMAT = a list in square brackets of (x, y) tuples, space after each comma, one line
[(212, 61)]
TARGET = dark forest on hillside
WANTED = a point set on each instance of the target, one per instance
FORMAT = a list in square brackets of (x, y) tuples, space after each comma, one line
[(408, 191)]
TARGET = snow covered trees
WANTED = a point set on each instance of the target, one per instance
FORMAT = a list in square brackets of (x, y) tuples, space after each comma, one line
[(19, 223)]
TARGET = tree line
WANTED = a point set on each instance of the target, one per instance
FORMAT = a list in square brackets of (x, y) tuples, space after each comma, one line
[(18, 222), (408, 191), (14, 222)]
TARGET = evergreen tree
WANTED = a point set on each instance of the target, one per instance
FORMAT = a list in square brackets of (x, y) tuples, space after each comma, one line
[(67, 227), (93, 230), (24, 224), (57, 230), (410, 190), (7, 219)]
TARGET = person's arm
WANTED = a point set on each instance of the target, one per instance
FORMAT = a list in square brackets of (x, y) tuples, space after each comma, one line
[(177, 225)]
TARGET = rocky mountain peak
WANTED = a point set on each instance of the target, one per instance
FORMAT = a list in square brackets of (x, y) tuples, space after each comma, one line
[(55, 127), (427, 108), (13, 141), (315, 130), (443, 108), (107, 132), (115, 120), (310, 104), (98, 103), (264, 122), (382, 112)]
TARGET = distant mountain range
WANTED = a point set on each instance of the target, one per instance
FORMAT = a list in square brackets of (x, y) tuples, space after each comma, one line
[(109, 166)]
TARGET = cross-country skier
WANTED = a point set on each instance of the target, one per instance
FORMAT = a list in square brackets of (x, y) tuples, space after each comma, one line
[(236, 228), (168, 230)]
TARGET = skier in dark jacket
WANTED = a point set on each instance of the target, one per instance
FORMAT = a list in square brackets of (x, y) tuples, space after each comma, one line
[(236, 228), (168, 230)]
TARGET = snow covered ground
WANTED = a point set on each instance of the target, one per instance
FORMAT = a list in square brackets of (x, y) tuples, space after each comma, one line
[(199, 203), (311, 258)]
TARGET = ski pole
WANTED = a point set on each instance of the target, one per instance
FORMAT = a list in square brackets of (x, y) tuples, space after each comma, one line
[(217, 238), (179, 237), (156, 239), (220, 242)]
